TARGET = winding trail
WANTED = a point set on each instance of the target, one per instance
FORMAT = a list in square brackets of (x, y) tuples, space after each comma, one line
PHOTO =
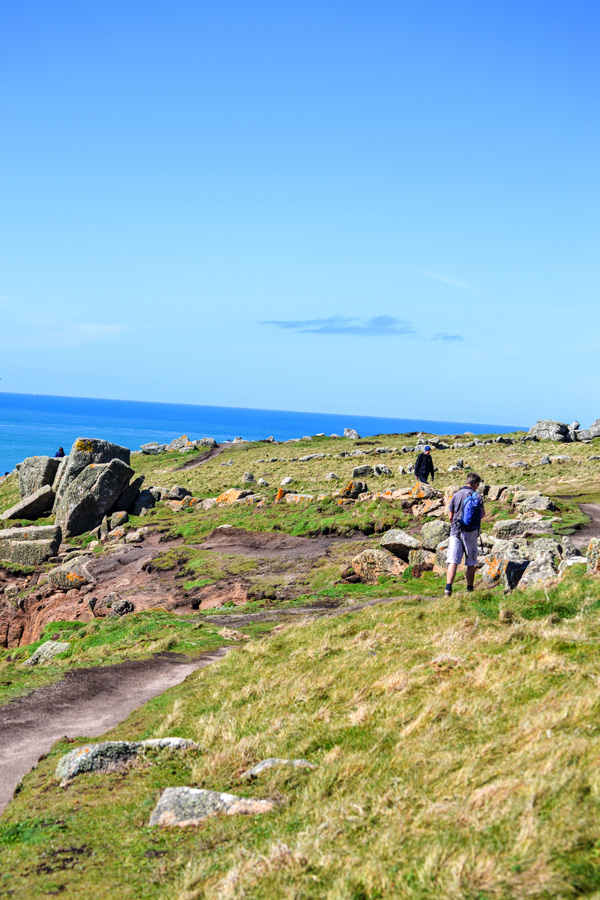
[(86, 702)]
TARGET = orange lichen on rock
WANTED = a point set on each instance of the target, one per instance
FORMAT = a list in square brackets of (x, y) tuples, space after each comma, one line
[(229, 496)]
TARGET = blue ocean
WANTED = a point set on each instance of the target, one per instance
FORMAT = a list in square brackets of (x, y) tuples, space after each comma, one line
[(37, 424)]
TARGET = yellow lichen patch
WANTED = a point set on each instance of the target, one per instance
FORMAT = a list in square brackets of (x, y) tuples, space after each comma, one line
[(84, 446)]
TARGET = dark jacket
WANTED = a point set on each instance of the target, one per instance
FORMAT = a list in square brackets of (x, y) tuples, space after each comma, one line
[(424, 466)]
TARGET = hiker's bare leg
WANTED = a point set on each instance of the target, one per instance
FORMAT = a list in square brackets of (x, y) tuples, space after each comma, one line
[(451, 574), (470, 575)]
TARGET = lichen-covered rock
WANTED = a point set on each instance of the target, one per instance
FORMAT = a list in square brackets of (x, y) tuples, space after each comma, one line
[(361, 471), (380, 470), (526, 501), (183, 806), (510, 528), (371, 564), (540, 570), (399, 543), (274, 763), (29, 546), (91, 495), (36, 472), (181, 443), (421, 558), (86, 452), (231, 496), (152, 448), (352, 434), (422, 491), (205, 442), (298, 498), (178, 492), (548, 430), (33, 506), (111, 756), (73, 574), (118, 519), (353, 489), (45, 652), (433, 533), (504, 568), (134, 537)]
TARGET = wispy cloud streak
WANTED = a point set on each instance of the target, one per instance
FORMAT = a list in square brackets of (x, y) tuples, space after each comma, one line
[(377, 326), (444, 336), (453, 281)]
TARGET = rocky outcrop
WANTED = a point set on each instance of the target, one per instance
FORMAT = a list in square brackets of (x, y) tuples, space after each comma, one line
[(87, 452), (351, 433), (504, 567), (548, 430), (184, 806), (32, 507), (29, 546), (37, 472), (91, 495)]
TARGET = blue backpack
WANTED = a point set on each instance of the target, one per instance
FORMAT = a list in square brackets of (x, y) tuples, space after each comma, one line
[(470, 519)]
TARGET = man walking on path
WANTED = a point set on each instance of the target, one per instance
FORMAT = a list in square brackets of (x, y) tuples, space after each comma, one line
[(466, 512), (424, 465)]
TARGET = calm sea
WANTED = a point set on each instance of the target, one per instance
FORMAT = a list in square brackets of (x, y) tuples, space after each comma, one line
[(36, 425)]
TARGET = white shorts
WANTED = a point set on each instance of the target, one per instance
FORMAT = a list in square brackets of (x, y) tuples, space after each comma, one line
[(458, 543)]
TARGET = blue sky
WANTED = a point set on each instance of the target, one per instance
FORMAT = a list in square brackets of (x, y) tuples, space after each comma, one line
[(382, 209)]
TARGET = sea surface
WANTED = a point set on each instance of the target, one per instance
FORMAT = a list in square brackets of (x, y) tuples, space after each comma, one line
[(38, 424)]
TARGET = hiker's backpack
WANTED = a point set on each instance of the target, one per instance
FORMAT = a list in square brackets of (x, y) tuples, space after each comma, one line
[(470, 519)]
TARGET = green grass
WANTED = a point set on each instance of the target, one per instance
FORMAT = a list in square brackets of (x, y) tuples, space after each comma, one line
[(457, 757), (103, 642)]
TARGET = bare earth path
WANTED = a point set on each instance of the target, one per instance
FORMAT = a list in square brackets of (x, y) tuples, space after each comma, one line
[(582, 537), (86, 702)]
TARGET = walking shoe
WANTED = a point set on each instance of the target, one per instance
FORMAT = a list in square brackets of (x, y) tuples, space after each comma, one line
[(448, 591), (470, 588)]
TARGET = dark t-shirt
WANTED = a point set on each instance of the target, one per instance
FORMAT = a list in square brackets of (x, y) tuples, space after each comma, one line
[(456, 503)]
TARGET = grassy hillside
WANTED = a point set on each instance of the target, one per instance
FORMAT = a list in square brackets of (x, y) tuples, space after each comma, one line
[(457, 747)]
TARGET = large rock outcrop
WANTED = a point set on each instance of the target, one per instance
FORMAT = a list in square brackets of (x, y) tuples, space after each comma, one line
[(91, 495), (87, 452), (36, 472), (548, 430)]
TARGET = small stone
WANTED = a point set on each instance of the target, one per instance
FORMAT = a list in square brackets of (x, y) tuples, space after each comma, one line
[(45, 652), (287, 480), (184, 806), (274, 762)]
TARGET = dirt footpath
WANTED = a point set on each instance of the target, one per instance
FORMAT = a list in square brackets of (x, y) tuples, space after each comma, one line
[(582, 537), (87, 702)]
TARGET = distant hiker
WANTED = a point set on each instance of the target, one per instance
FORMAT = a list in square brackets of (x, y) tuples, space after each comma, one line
[(466, 512), (60, 452), (424, 465)]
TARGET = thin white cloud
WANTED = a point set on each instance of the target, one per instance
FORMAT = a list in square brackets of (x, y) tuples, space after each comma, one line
[(453, 281)]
